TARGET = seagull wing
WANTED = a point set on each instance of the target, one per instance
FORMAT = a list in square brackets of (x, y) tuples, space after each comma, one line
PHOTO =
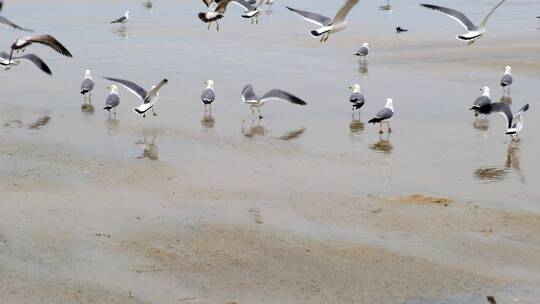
[(505, 111), (243, 4), (284, 96), (6, 22), (154, 90), (207, 2), (208, 95), (37, 61), (319, 20), (384, 114), (484, 20), (456, 15), (51, 42), (342, 13), (517, 120), (248, 93), (132, 87), (121, 19)]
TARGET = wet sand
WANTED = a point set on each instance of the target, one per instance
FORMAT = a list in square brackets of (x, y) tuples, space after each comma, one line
[(307, 206)]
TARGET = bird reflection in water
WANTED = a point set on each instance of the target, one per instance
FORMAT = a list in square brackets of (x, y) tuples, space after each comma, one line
[(512, 163), (386, 7), (383, 146), (356, 125), (87, 108), (293, 134), (507, 100), (121, 32), (363, 68), (150, 149), (208, 120), (481, 124), (255, 128), (112, 124)]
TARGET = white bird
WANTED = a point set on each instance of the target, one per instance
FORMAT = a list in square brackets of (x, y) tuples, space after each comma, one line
[(4, 21), (149, 98), (480, 105), (123, 20), (22, 43), (474, 31), (87, 86), (384, 116), (208, 95), (363, 51), (113, 100), (254, 101), (216, 10), (327, 25), (514, 123), (357, 98), (9, 63), (507, 78)]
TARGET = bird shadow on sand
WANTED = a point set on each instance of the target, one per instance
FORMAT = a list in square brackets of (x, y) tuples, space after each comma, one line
[(294, 134), (150, 148), (512, 163), (254, 129), (383, 146)]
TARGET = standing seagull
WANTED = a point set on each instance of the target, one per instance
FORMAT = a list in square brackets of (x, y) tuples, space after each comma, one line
[(149, 98), (6, 22), (481, 104), (113, 100), (474, 31), (514, 123), (384, 116), (216, 10), (48, 40), (208, 95), (507, 78), (123, 20), (87, 86), (8, 63), (357, 98), (254, 101), (363, 51), (328, 25)]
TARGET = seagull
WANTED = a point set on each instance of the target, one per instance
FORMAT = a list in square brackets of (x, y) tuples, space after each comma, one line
[(149, 98), (113, 100), (208, 95), (254, 101), (24, 42), (481, 103), (6, 22), (87, 86), (474, 31), (507, 78), (255, 11), (217, 8), (363, 51), (514, 123), (8, 63), (400, 29), (123, 20), (384, 116), (328, 25), (356, 98), (148, 4)]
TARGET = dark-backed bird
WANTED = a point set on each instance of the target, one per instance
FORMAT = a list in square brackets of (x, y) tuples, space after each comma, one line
[(149, 98), (357, 98), (363, 51), (87, 86), (507, 78), (514, 123), (22, 43), (6, 22), (480, 105), (208, 95), (254, 101), (399, 29), (123, 20), (113, 99), (216, 10), (327, 25), (384, 116), (474, 31), (9, 63)]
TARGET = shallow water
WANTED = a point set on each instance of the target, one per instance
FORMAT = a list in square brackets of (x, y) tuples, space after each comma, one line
[(436, 147)]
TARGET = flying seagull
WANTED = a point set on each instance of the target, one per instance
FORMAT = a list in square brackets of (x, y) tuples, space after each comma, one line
[(481, 104), (363, 51), (216, 10), (113, 100), (87, 86), (384, 116), (254, 101), (149, 98), (514, 123), (357, 98), (48, 40), (8, 63), (327, 25), (6, 22), (123, 20), (208, 95), (507, 78), (474, 31)]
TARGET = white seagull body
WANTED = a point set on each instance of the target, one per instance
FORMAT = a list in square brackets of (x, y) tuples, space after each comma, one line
[(113, 100), (514, 123), (357, 98), (363, 51), (507, 78), (216, 10), (123, 20), (22, 43), (384, 116), (474, 32), (87, 85), (480, 105), (327, 25), (254, 101), (8, 63), (208, 95), (149, 98)]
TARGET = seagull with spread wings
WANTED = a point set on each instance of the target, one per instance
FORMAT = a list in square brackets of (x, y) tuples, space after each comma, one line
[(216, 10), (475, 32), (8, 62), (149, 98), (514, 123), (253, 101), (22, 43), (4, 21), (327, 25)]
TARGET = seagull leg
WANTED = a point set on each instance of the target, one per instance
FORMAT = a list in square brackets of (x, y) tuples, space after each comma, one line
[(217, 24), (389, 129), (259, 110), (252, 111), (209, 24), (154, 112), (380, 128)]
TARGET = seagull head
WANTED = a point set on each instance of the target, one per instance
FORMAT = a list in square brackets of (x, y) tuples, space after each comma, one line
[(113, 88), (485, 90), (355, 87), (87, 74), (366, 45), (126, 14), (389, 103), (209, 83), (507, 69)]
